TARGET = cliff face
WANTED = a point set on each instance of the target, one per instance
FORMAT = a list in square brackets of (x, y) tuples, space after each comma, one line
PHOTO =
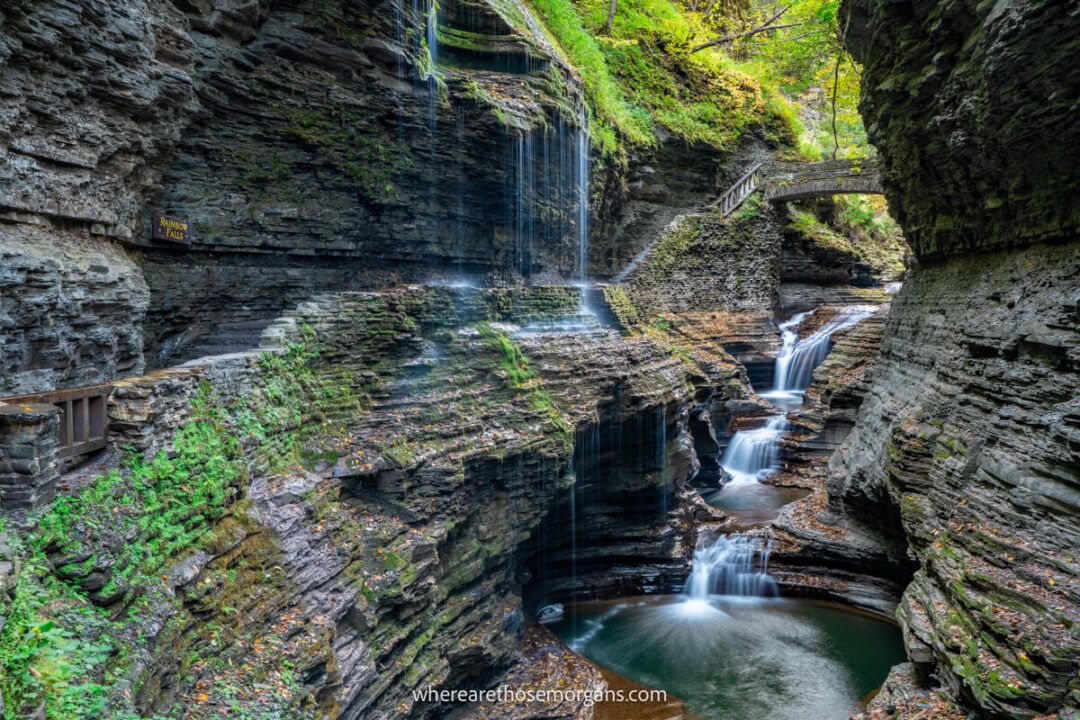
[(968, 434), (356, 514), (309, 145), (972, 108)]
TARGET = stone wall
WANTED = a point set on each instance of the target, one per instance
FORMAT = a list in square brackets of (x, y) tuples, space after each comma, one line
[(29, 463), (704, 262), (390, 554), (965, 445)]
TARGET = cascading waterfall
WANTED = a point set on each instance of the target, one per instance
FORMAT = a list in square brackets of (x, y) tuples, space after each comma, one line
[(432, 31), (547, 193), (730, 565), (752, 454), (797, 359)]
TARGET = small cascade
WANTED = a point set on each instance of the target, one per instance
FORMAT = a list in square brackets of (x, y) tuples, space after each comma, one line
[(798, 357), (583, 321), (753, 454), (734, 565)]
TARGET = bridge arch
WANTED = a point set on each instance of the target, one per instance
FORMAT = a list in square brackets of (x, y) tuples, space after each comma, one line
[(799, 181)]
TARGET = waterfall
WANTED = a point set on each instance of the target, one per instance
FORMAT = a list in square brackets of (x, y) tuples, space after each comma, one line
[(797, 359), (583, 193), (730, 565), (432, 32), (752, 453), (524, 201)]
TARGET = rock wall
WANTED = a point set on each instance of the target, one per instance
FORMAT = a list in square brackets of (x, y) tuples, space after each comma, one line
[(704, 262), (967, 436), (309, 145), (70, 308), (970, 106), (388, 553), (966, 442)]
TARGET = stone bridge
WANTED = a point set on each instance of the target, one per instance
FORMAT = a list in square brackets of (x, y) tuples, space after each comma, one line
[(798, 181)]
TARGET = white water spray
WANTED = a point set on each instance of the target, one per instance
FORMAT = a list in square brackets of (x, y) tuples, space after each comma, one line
[(752, 454), (798, 357), (730, 565)]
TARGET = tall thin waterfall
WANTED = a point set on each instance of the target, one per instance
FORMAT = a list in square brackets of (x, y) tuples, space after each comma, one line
[(730, 565), (798, 357), (583, 193), (547, 194), (752, 453), (432, 31)]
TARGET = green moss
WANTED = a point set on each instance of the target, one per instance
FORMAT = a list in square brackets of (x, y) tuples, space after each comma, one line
[(622, 307), (59, 648), (520, 376), (353, 142)]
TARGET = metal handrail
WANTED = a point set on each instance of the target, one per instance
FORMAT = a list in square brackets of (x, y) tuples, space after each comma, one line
[(84, 418)]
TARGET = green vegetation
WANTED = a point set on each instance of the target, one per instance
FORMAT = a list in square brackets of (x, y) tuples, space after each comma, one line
[(643, 76), (71, 631), (520, 376), (349, 139), (648, 73), (859, 226), (806, 62)]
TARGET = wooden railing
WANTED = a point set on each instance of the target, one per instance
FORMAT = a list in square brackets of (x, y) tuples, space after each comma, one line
[(742, 188), (84, 418)]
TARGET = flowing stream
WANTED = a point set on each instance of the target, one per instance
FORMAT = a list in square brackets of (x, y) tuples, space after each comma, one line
[(729, 646), (800, 356), (753, 454)]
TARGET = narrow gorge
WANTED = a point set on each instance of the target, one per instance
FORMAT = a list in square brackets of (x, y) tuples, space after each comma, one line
[(539, 359)]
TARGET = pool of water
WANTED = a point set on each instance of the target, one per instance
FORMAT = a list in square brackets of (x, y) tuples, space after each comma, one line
[(733, 658), (754, 504)]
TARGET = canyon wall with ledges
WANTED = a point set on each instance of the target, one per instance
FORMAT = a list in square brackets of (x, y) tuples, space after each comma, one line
[(966, 444)]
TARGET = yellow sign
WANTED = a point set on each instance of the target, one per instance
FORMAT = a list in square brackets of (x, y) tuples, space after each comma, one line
[(171, 230)]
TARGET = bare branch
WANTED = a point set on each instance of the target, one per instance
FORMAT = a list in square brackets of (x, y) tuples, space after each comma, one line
[(789, 39), (745, 33)]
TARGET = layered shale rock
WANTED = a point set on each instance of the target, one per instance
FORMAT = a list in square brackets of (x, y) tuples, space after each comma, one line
[(438, 428), (69, 311), (967, 437), (310, 146), (971, 108), (965, 446)]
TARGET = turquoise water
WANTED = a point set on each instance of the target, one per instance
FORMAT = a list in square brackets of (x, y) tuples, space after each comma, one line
[(740, 658)]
